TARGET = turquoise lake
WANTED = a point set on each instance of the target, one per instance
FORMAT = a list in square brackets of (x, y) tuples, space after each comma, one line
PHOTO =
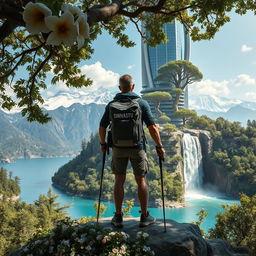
[(36, 176)]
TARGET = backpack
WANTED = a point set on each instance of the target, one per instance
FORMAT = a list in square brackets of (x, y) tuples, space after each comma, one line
[(126, 123)]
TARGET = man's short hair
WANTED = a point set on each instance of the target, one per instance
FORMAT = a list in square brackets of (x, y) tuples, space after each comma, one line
[(126, 82)]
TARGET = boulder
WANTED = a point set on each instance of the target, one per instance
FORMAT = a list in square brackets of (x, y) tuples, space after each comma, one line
[(180, 239)]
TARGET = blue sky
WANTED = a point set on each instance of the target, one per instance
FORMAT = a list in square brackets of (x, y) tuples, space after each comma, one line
[(228, 62)]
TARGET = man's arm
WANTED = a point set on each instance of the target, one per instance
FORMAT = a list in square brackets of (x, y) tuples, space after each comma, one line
[(104, 123), (102, 134), (154, 133)]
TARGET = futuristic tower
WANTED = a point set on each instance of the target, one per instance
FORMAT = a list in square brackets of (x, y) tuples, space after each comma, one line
[(177, 48)]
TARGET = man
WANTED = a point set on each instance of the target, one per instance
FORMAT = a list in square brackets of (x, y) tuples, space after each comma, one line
[(136, 154)]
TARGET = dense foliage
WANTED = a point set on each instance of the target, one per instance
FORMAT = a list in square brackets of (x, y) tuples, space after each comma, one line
[(234, 148), (26, 59), (21, 221), (9, 186), (237, 224), (81, 176)]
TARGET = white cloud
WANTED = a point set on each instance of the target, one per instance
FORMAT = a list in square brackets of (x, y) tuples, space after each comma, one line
[(62, 86), (243, 87), (131, 66), (246, 48), (244, 79), (49, 93), (208, 87), (100, 76), (251, 96)]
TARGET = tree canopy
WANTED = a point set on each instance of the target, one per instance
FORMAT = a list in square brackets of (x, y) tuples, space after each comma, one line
[(179, 73), (185, 114), (156, 97), (35, 54)]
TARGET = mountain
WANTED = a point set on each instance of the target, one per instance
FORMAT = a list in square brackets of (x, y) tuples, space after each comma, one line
[(230, 109), (61, 136), (75, 117), (217, 104), (66, 99), (234, 114)]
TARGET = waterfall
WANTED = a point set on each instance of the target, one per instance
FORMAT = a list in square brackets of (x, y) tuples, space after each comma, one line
[(193, 166)]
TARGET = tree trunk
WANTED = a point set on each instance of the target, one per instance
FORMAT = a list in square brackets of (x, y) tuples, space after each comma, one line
[(176, 102), (157, 108)]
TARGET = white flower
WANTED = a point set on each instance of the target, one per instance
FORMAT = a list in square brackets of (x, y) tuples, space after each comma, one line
[(63, 29), (72, 9), (88, 248), (82, 29), (99, 237), (146, 248), (125, 235), (66, 242), (34, 16), (142, 234)]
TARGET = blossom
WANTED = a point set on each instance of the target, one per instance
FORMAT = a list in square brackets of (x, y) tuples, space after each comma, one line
[(72, 9), (88, 248), (34, 16), (63, 29), (82, 29)]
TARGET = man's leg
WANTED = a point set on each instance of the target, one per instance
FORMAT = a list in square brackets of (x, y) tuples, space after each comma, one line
[(119, 192), (142, 193)]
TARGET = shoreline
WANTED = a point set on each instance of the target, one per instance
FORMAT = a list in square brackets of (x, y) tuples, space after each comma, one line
[(151, 204), (10, 160)]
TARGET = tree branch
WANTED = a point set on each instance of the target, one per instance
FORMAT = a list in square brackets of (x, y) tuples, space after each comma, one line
[(104, 13), (22, 55)]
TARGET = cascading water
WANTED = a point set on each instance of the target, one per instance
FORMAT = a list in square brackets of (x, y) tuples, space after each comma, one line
[(193, 165)]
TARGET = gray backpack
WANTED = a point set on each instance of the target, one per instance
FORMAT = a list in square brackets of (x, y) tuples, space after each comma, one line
[(126, 123)]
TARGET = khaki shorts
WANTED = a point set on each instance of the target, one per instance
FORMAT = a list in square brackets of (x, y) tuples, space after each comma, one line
[(137, 157)]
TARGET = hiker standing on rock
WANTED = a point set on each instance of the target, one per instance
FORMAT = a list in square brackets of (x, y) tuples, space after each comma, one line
[(125, 115)]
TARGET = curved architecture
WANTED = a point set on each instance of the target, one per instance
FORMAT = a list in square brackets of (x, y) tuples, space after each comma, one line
[(177, 48)]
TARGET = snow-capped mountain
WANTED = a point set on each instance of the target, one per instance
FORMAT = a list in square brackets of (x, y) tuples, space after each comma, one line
[(217, 104), (66, 99)]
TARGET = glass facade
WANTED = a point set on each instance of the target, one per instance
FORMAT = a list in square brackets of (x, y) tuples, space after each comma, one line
[(177, 48)]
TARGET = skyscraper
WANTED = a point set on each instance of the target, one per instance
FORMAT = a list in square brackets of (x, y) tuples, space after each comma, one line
[(177, 48)]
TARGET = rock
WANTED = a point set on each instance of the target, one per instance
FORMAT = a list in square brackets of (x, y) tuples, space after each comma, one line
[(221, 247), (5, 160), (181, 239)]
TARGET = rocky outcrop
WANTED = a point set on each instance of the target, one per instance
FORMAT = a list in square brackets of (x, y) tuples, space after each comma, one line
[(180, 239)]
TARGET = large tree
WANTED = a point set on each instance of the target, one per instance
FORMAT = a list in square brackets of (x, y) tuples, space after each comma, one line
[(32, 53), (178, 74), (185, 114)]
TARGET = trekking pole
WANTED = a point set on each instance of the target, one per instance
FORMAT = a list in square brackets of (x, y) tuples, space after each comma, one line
[(162, 188), (101, 181)]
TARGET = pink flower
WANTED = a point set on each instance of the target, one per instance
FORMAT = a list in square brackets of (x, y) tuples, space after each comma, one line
[(104, 240)]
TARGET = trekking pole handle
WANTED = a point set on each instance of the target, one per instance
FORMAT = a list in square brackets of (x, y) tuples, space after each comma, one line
[(159, 153)]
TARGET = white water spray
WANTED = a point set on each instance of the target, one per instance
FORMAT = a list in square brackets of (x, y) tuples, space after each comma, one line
[(193, 165)]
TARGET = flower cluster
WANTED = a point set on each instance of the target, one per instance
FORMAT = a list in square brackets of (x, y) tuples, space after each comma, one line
[(70, 27), (72, 238)]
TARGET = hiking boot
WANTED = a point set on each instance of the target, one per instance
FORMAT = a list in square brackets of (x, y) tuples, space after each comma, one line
[(146, 220), (117, 220)]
